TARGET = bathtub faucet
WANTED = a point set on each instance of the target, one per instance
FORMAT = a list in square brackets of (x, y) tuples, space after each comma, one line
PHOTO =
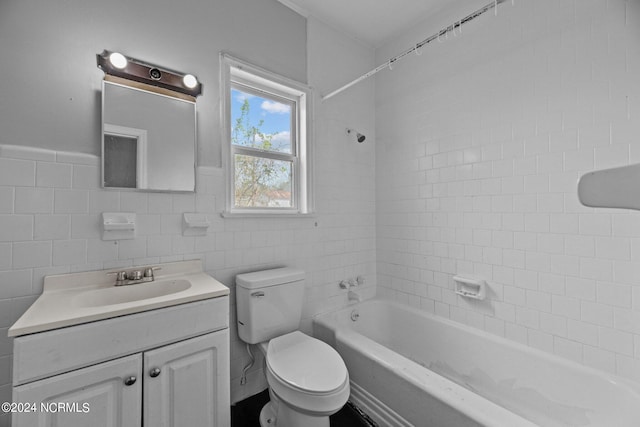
[(354, 297), (351, 282)]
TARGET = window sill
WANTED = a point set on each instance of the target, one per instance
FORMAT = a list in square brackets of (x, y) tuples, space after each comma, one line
[(283, 215)]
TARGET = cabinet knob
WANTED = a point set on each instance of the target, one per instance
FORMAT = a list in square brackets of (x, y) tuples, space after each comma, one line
[(130, 380), (154, 372)]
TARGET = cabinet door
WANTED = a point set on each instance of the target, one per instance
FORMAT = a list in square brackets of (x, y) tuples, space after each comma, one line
[(96, 396), (187, 383)]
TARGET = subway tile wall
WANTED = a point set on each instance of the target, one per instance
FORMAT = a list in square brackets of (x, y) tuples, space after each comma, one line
[(481, 141), (50, 206), (50, 211)]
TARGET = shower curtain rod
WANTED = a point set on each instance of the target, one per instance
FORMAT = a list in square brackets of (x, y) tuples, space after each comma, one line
[(418, 46)]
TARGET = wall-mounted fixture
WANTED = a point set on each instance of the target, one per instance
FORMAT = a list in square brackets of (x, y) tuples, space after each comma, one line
[(470, 286), (611, 188), (351, 282), (359, 137), (118, 225), (149, 125), (195, 224), (116, 64)]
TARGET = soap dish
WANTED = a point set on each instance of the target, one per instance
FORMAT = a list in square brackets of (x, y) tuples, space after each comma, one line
[(195, 224), (118, 225), (471, 287)]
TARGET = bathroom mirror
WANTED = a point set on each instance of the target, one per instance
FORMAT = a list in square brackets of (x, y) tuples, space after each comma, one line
[(148, 140)]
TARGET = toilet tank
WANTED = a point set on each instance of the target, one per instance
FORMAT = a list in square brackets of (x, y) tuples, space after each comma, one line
[(269, 303)]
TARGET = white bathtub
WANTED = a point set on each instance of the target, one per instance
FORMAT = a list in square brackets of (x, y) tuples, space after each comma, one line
[(409, 368)]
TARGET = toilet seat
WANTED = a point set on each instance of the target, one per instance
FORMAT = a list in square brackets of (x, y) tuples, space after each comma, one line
[(307, 373), (306, 364)]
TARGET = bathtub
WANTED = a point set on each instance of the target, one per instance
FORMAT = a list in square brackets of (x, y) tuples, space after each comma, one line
[(410, 368)]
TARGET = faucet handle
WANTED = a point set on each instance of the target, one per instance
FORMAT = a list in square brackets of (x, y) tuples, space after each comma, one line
[(121, 276), (148, 272)]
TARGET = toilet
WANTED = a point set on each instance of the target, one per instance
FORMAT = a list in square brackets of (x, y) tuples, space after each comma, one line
[(308, 380)]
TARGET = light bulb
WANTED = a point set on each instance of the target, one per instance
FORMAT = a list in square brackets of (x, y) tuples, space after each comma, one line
[(118, 60), (190, 81)]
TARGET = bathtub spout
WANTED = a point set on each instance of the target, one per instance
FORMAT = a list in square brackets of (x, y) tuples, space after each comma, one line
[(354, 297)]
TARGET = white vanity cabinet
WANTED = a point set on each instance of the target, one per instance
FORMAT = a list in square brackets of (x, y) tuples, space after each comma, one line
[(97, 390), (182, 381), (165, 367)]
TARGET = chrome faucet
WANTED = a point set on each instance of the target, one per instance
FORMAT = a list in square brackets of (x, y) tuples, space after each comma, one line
[(134, 277)]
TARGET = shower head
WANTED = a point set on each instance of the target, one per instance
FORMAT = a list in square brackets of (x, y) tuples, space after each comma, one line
[(359, 137)]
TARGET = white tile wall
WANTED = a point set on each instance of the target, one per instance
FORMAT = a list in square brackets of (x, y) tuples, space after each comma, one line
[(480, 142), (495, 127), (50, 206)]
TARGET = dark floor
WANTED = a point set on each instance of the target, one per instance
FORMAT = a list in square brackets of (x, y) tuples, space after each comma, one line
[(247, 413)]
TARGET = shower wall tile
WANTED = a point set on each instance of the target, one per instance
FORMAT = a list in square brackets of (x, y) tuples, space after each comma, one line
[(501, 124)]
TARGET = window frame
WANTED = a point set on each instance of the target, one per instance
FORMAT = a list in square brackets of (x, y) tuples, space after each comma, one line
[(238, 74)]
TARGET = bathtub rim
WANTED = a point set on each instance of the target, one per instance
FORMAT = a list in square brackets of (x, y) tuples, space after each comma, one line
[(632, 386)]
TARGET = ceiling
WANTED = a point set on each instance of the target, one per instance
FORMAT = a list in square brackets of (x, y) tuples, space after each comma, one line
[(371, 21)]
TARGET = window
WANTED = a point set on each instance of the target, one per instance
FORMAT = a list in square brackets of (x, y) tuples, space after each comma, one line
[(266, 122)]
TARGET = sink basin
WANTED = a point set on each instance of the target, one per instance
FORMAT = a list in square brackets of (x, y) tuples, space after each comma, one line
[(77, 298), (130, 293)]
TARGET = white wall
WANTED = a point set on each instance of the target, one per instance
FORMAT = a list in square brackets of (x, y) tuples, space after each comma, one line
[(50, 200), (481, 140), (49, 67)]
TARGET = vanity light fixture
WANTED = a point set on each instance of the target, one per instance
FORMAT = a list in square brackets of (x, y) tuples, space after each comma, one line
[(116, 64), (118, 60), (190, 81)]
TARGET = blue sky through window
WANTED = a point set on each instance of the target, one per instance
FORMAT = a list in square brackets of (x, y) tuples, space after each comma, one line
[(276, 117)]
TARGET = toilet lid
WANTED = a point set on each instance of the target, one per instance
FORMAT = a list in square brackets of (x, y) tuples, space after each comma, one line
[(306, 363)]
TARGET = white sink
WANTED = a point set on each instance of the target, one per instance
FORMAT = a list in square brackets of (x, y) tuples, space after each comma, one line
[(130, 293), (73, 299)]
